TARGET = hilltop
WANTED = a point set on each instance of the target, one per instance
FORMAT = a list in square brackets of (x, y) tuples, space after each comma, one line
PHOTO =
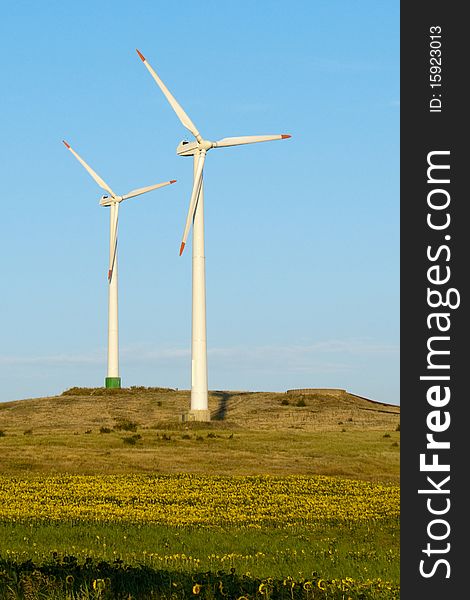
[(77, 409), (95, 430)]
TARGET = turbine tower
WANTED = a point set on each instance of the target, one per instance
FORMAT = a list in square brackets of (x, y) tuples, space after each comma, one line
[(113, 379), (198, 149)]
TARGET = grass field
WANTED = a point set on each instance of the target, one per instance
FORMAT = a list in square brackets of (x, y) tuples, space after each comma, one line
[(250, 433), (107, 495)]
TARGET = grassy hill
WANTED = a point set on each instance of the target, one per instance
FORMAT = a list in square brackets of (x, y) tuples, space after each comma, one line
[(94, 430)]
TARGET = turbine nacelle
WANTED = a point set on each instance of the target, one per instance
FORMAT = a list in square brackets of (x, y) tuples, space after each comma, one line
[(107, 200), (186, 148)]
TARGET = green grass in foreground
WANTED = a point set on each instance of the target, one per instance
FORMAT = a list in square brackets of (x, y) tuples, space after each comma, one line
[(321, 561), (334, 550)]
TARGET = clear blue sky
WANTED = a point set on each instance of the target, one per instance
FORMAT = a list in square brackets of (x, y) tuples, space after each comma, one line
[(302, 236)]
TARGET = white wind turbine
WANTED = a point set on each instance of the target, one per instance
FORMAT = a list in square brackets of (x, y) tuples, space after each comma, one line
[(113, 380), (198, 149)]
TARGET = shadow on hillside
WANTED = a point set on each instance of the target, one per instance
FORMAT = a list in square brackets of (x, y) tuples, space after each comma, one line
[(221, 411)]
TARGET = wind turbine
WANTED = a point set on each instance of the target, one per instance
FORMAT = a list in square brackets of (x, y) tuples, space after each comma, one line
[(198, 149), (113, 380)]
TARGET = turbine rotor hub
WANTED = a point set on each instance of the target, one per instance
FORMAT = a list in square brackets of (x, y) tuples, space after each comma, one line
[(206, 145)]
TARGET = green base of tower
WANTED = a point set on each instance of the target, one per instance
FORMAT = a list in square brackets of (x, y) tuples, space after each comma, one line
[(112, 382)]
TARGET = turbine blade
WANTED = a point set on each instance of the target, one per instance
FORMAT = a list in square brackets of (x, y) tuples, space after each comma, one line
[(95, 176), (147, 189), (113, 239), (248, 139), (183, 117), (194, 197)]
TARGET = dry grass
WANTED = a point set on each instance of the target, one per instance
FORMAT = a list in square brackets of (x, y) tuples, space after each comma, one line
[(335, 433)]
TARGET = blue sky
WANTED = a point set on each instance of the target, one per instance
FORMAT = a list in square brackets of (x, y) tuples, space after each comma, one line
[(302, 236)]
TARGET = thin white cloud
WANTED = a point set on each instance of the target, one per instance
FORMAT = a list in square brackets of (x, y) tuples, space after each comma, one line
[(291, 358), (352, 346), (54, 360), (329, 356)]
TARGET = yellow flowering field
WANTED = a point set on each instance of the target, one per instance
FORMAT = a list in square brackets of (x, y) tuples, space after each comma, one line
[(237, 537), (194, 500)]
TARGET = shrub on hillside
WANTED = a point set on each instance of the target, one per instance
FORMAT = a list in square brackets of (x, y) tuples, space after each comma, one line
[(132, 440), (78, 391), (126, 425), (102, 391)]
